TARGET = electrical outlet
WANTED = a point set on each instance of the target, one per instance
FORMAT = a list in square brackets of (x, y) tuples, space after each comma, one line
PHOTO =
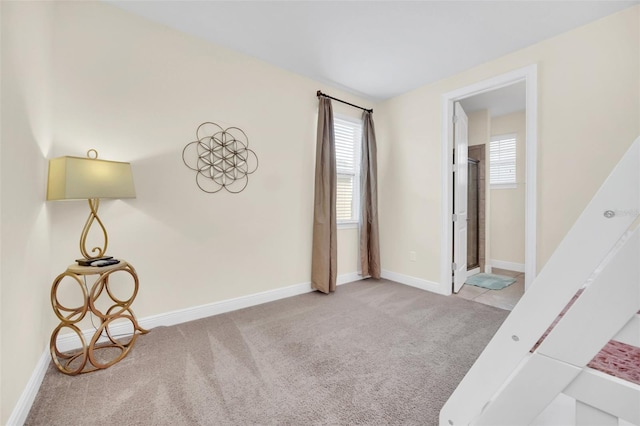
[(412, 256)]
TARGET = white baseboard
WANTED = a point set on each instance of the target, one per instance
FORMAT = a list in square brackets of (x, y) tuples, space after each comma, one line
[(23, 406), (71, 341), (197, 312), (216, 308), (414, 282), (509, 266), (348, 278)]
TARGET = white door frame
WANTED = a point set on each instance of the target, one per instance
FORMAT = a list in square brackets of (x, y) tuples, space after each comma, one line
[(528, 74)]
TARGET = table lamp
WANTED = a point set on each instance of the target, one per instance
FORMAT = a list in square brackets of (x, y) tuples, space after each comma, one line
[(77, 178)]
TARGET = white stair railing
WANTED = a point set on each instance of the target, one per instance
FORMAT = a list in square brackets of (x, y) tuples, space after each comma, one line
[(581, 257)]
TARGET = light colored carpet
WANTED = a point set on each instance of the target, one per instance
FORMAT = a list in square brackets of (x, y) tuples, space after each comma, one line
[(490, 281), (374, 352)]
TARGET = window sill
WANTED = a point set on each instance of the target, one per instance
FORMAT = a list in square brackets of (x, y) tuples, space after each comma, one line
[(505, 186), (347, 225)]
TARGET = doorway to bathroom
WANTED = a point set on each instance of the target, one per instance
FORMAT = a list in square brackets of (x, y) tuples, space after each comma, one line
[(479, 258)]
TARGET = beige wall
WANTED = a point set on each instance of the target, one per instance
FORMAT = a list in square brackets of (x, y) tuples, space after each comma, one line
[(588, 85), (25, 274), (139, 92), (136, 91), (479, 127), (507, 205), (154, 87)]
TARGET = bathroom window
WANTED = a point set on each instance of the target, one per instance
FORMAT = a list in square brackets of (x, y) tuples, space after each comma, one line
[(502, 162)]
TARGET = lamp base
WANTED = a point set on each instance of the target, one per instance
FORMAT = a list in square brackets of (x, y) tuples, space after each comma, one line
[(97, 252)]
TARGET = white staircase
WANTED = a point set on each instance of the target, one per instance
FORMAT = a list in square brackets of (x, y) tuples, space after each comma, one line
[(509, 385)]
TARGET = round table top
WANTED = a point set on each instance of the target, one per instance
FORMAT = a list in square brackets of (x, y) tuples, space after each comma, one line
[(94, 270)]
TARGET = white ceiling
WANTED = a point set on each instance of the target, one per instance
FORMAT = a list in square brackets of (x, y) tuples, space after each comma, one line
[(375, 49), (499, 102)]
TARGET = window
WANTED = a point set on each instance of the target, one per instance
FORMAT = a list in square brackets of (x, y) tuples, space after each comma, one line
[(348, 133), (502, 161)]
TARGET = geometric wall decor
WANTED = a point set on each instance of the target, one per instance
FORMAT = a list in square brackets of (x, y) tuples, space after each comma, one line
[(221, 158)]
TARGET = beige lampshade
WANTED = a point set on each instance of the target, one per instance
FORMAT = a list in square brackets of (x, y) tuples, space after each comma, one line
[(73, 178)]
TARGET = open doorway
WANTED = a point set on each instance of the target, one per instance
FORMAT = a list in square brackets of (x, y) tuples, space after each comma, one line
[(513, 96), (496, 196)]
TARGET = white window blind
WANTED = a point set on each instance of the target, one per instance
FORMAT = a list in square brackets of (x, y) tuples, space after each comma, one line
[(502, 161), (348, 133)]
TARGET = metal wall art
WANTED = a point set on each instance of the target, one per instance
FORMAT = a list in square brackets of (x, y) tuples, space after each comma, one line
[(221, 158)]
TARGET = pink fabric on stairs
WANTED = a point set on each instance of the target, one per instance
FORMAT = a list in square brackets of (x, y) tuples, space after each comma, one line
[(616, 358)]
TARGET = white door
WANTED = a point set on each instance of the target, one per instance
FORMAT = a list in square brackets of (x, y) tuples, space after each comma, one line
[(460, 142)]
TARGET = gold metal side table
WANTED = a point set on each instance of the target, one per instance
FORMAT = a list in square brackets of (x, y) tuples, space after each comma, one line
[(112, 348)]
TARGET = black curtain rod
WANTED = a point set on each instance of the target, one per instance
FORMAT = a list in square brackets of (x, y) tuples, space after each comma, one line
[(319, 93)]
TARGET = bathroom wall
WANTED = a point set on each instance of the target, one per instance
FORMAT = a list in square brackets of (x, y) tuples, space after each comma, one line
[(508, 204)]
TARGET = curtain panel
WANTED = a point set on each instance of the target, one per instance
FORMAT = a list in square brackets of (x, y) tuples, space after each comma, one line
[(324, 260), (369, 234)]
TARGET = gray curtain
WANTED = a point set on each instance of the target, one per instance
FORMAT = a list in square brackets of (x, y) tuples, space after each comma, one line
[(369, 234), (324, 260)]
